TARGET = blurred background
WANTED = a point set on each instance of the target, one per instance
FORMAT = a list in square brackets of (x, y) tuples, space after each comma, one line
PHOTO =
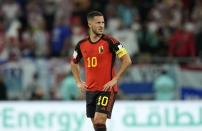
[(163, 38)]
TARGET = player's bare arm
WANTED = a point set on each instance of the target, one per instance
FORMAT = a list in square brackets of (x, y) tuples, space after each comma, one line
[(125, 63), (76, 72)]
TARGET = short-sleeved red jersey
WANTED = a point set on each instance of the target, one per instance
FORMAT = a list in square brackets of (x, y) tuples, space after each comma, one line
[(99, 58)]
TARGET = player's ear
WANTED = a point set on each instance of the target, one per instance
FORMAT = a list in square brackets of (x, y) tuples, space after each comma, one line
[(89, 24)]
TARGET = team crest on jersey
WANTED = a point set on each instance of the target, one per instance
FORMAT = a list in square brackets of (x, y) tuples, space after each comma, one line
[(100, 49)]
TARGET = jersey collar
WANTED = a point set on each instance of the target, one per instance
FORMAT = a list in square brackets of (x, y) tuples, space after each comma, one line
[(95, 41)]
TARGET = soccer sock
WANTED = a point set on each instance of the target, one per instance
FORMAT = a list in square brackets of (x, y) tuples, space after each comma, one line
[(100, 127)]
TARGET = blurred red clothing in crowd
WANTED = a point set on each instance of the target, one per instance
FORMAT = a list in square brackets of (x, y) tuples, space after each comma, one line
[(182, 44)]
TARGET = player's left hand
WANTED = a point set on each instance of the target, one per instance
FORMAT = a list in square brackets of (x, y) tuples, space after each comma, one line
[(109, 85)]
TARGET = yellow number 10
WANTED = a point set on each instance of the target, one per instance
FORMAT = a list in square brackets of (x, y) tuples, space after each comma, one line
[(104, 100), (92, 61)]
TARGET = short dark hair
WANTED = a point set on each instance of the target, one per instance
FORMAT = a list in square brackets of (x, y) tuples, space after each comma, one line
[(92, 14)]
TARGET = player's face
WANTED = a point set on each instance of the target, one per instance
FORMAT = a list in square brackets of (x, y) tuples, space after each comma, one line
[(97, 25)]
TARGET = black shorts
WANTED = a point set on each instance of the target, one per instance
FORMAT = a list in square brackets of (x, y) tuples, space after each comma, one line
[(99, 101)]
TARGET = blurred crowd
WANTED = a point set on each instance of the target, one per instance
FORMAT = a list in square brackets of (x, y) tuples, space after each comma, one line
[(51, 28), (147, 28)]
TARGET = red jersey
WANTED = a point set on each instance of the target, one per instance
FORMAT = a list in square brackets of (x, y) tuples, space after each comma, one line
[(99, 58)]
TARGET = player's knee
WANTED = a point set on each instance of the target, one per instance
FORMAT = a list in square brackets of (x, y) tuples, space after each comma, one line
[(99, 120)]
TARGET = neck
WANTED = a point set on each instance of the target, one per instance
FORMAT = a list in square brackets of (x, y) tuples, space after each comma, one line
[(94, 37)]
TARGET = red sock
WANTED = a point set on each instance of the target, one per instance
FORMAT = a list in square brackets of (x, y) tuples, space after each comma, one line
[(100, 127)]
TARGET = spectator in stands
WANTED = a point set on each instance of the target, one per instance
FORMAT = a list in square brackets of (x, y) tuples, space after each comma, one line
[(129, 39), (38, 94), (166, 9), (65, 7), (68, 88), (197, 15), (21, 3), (3, 42), (164, 87), (41, 39), (113, 20), (50, 9), (78, 30), (27, 44), (34, 14), (80, 9), (100, 5), (198, 43), (13, 43), (182, 44), (147, 41), (34, 91), (163, 34), (128, 13), (61, 38), (3, 89), (11, 11)]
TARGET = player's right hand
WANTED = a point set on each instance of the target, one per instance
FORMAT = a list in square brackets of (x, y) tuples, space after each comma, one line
[(82, 86)]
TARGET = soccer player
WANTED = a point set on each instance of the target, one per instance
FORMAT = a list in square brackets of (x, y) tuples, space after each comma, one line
[(99, 51)]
